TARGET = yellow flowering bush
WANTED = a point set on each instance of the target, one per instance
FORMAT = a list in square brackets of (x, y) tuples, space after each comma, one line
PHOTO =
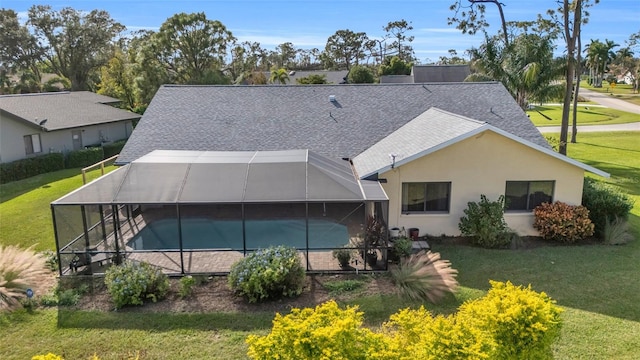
[(49, 356), (523, 323), (326, 332), (510, 322)]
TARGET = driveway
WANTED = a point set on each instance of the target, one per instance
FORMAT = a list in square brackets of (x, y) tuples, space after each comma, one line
[(609, 101)]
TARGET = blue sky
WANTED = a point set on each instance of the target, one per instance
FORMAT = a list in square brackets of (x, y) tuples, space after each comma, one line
[(308, 24)]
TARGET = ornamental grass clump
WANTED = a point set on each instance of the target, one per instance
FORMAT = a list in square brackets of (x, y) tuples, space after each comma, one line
[(425, 276), (562, 222), (131, 283), (20, 269), (267, 274)]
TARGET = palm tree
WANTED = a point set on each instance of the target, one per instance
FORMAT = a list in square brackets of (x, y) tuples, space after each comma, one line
[(279, 76), (599, 55)]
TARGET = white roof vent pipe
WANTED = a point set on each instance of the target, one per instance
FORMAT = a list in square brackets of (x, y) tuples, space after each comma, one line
[(332, 98)]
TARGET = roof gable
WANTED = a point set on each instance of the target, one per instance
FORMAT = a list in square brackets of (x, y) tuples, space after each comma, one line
[(431, 131), (250, 118), (64, 110)]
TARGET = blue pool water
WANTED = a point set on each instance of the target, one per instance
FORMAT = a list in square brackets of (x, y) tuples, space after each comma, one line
[(200, 233)]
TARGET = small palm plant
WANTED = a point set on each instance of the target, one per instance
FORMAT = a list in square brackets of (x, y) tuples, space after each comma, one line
[(20, 269), (424, 276)]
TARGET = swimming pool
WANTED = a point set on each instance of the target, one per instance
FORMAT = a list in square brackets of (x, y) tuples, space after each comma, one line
[(200, 233)]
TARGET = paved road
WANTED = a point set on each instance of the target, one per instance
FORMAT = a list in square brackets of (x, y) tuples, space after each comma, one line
[(594, 128), (609, 101)]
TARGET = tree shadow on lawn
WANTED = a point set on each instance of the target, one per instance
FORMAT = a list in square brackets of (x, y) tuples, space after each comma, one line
[(625, 177), (597, 278), (69, 318)]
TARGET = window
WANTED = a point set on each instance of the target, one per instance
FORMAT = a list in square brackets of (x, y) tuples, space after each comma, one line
[(32, 144), (526, 195), (425, 197)]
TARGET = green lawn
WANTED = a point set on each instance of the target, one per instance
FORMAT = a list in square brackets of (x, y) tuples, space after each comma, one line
[(620, 91), (597, 285), (25, 215), (588, 114)]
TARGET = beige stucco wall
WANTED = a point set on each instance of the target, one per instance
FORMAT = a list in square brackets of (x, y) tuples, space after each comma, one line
[(479, 165), (12, 132)]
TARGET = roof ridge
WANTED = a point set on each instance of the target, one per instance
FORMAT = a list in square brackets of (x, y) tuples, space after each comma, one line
[(275, 86)]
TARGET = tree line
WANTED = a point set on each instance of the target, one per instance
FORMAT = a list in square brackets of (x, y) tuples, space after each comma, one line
[(90, 51)]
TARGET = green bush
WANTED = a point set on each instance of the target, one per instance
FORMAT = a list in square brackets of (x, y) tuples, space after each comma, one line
[(186, 286), (268, 273), (605, 204), (402, 247), (522, 323), (22, 169), (131, 283), (562, 222), (113, 148), (484, 223), (84, 157)]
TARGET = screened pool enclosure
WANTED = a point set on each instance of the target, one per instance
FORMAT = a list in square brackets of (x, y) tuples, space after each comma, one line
[(200, 211)]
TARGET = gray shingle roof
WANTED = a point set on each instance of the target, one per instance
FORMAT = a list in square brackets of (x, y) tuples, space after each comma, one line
[(237, 118), (64, 109), (440, 73), (429, 130)]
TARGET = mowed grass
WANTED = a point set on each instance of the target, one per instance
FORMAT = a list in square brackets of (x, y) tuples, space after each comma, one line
[(588, 114), (619, 91), (597, 285), (25, 213)]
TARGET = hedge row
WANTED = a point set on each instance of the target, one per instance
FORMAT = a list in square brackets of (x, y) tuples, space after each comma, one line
[(24, 168)]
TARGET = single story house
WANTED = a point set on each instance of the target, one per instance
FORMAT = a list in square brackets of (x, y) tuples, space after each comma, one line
[(34, 124), (433, 147), (430, 74)]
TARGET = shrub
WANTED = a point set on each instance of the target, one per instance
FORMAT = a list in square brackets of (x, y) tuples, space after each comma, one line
[(112, 149), (343, 286), (20, 269), (343, 256), (24, 168), (424, 276), (268, 273), (562, 222), (616, 232), (49, 356), (84, 157), (360, 74), (131, 283), (415, 334), (51, 260), (522, 323), (484, 223), (186, 286), (326, 332), (402, 248), (604, 203)]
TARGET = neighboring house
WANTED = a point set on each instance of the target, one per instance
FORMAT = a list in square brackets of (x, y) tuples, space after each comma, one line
[(430, 74), (35, 124), (433, 147)]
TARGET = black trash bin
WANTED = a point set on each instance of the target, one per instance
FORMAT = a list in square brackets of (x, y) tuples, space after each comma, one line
[(414, 233)]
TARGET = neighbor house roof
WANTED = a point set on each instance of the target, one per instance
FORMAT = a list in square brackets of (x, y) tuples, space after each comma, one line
[(238, 118), (228, 177), (64, 110), (433, 130), (440, 73)]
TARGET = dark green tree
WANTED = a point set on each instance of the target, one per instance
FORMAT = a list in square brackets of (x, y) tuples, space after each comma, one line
[(359, 74), (395, 66), (19, 50), (346, 48), (401, 45), (312, 79), (190, 47), (74, 43)]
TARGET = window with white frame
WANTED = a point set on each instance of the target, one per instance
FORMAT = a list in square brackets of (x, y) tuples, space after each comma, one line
[(426, 197), (32, 144), (526, 195)]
